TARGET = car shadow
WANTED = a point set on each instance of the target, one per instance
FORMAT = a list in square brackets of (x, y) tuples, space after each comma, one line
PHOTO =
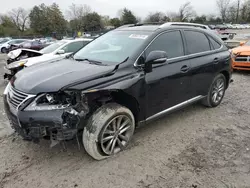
[(74, 151), (243, 72)]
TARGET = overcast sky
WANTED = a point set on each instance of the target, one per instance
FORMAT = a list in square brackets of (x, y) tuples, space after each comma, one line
[(110, 7)]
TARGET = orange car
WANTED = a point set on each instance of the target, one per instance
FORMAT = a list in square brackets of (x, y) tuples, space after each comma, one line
[(241, 56)]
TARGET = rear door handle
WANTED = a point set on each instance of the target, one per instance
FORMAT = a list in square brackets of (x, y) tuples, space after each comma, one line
[(216, 60), (185, 68)]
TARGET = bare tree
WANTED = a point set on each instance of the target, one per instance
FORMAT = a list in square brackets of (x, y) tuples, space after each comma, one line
[(76, 14), (20, 18), (232, 13), (223, 6), (186, 12), (78, 11), (173, 16)]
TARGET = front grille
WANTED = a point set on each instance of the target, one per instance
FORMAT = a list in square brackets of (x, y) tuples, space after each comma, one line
[(14, 121), (242, 59), (16, 98)]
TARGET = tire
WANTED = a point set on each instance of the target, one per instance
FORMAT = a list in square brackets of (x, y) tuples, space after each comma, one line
[(4, 50), (211, 100), (100, 127)]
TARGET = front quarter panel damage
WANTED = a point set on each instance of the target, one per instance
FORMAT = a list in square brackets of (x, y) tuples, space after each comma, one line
[(129, 91)]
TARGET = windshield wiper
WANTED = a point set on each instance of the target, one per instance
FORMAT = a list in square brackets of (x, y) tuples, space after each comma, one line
[(91, 61)]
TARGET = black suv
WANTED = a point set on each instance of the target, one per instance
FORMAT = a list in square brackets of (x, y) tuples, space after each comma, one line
[(120, 80)]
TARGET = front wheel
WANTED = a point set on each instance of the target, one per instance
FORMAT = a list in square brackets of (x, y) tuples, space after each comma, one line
[(216, 91), (4, 50), (109, 131)]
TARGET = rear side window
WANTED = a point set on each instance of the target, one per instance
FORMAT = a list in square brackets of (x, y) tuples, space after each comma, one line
[(214, 43), (196, 42), (170, 42)]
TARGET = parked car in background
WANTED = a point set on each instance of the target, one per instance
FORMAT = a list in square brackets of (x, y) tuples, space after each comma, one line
[(241, 56), (246, 26), (20, 58), (4, 47), (211, 26), (122, 79), (229, 26), (48, 40), (30, 44), (221, 27), (3, 40)]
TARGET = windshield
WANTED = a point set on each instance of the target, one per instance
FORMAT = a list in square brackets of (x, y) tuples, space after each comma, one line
[(52, 47), (3, 41), (113, 47)]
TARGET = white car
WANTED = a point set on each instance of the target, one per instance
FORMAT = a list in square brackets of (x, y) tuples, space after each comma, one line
[(5, 46), (20, 58)]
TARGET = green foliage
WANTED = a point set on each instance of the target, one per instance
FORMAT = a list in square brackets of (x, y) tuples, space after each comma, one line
[(157, 17), (7, 27), (116, 22), (92, 22), (47, 19), (128, 17), (200, 19)]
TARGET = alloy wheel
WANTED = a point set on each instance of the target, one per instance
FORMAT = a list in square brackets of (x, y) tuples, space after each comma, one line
[(218, 90), (116, 134)]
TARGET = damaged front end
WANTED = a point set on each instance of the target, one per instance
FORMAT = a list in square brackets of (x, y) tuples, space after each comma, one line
[(55, 116), (16, 61)]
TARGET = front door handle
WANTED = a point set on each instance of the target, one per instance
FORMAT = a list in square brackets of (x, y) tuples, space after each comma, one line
[(216, 60), (185, 68)]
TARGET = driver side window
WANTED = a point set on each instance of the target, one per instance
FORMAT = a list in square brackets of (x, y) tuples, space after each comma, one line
[(170, 42)]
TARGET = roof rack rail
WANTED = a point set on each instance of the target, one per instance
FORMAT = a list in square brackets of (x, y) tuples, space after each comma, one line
[(141, 24), (188, 24), (126, 25)]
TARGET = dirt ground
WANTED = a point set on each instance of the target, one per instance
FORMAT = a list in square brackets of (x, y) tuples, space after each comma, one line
[(196, 147)]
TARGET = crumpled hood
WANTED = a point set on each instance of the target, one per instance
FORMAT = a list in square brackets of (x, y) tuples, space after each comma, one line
[(15, 53), (51, 77)]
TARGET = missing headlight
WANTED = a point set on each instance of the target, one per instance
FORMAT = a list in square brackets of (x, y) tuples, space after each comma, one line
[(50, 98), (53, 101)]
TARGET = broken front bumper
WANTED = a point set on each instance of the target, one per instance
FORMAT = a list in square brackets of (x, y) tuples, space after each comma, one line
[(7, 74), (55, 125)]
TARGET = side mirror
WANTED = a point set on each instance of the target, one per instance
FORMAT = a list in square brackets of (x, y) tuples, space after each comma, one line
[(60, 52), (156, 57), (242, 43)]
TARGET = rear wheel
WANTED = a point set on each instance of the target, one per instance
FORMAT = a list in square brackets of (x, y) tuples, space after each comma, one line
[(216, 91), (109, 131)]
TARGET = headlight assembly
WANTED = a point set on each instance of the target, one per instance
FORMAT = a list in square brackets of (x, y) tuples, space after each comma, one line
[(16, 64), (53, 101)]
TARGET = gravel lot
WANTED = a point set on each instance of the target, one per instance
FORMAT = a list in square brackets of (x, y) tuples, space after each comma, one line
[(195, 147)]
